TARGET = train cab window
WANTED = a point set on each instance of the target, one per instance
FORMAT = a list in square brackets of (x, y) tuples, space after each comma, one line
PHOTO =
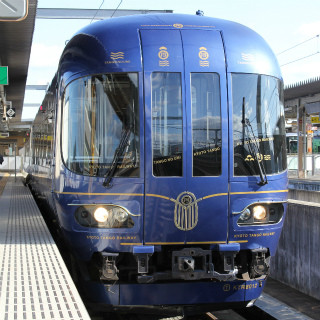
[(258, 125), (166, 124), (206, 124), (98, 112)]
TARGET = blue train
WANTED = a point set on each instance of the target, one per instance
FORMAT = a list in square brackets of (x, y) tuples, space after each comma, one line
[(160, 149)]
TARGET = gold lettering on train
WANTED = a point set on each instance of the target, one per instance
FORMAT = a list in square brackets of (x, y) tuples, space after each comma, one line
[(254, 235)]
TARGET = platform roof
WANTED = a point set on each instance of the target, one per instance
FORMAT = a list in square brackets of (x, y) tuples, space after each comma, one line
[(302, 89), (15, 48)]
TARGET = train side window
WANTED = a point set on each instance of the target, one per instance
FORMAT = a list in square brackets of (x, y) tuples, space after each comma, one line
[(206, 124), (166, 124)]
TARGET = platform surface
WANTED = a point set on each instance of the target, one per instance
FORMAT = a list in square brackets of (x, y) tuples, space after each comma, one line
[(34, 281)]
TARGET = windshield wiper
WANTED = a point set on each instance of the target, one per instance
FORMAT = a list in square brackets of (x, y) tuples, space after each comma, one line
[(125, 134), (253, 145)]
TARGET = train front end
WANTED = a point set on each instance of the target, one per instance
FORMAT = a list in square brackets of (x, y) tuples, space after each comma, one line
[(170, 177)]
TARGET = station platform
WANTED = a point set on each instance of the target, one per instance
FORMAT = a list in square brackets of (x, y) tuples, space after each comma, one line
[(34, 281), (308, 184)]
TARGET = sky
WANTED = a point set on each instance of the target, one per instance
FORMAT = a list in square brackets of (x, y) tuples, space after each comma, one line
[(290, 27)]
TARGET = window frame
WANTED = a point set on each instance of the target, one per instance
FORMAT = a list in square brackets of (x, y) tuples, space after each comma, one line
[(280, 110), (216, 80), (137, 99), (181, 159)]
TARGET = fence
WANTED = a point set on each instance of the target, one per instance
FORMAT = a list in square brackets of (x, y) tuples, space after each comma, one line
[(312, 165), (11, 163), (298, 257)]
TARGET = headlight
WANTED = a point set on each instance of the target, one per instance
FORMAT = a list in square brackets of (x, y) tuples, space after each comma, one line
[(259, 213), (104, 216), (246, 214), (101, 214), (262, 213), (120, 214)]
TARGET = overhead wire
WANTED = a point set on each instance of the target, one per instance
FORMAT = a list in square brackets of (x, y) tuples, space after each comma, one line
[(116, 8), (297, 45), (302, 58), (97, 11)]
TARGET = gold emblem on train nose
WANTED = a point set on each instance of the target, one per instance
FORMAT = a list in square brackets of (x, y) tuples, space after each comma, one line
[(186, 211)]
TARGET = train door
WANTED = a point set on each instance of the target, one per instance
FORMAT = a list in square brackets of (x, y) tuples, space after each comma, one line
[(186, 157), (207, 152)]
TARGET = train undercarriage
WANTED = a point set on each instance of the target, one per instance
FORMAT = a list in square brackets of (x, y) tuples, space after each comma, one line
[(185, 264)]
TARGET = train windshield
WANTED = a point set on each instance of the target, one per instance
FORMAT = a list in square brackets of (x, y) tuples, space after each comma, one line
[(206, 124), (167, 124), (97, 111), (258, 125)]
